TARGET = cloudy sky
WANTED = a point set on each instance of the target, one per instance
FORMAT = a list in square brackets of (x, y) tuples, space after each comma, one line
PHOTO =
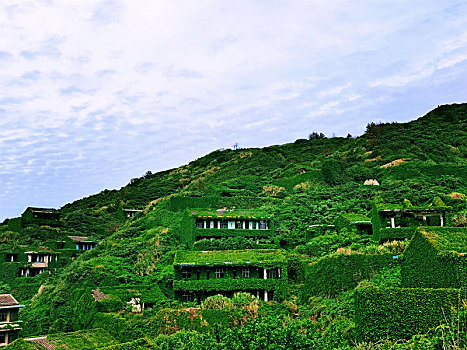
[(94, 93)]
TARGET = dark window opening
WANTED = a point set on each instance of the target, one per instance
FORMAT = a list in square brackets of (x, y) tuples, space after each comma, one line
[(187, 297), (186, 273), (11, 257)]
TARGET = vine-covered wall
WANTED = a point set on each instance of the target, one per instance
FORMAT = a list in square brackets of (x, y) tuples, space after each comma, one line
[(424, 266), (334, 274), (399, 313)]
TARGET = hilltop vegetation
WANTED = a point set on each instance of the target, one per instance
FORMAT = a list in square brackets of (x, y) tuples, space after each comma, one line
[(307, 182)]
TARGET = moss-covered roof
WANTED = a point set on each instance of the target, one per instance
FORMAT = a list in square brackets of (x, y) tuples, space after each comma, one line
[(447, 239), (436, 204), (352, 217), (147, 293), (229, 257), (231, 213)]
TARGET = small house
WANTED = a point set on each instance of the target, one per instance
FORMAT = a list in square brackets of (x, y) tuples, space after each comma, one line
[(129, 213), (351, 221), (9, 324), (40, 216), (393, 221), (83, 243), (38, 262)]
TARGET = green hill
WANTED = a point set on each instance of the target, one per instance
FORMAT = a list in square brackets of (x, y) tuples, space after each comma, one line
[(307, 182)]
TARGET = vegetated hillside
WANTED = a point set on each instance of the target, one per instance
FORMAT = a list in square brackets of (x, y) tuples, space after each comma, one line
[(306, 182)]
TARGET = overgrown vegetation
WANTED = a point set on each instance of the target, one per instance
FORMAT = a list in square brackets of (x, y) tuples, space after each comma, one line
[(309, 182)]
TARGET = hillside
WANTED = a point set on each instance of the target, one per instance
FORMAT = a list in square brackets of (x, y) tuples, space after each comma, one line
[(300, 184)]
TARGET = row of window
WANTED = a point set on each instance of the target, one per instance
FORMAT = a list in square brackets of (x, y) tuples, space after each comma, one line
[(237, 224), (220, 273)]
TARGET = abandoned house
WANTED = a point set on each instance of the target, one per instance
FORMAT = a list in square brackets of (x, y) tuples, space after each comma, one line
[(223, 223), (38, 262), (261, 272), (9, 324), (82, 243), (392, 222), (129, 213)]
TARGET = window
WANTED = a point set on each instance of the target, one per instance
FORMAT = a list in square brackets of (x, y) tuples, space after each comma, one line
[(272, 273), (270, 295), (262, 225), (11, 257), (2, 338), (224, 224), (219, 273), (60, 245), (246, 272), (186, 273), (199, 223), (187, 297), (3, 316), (238, 224)]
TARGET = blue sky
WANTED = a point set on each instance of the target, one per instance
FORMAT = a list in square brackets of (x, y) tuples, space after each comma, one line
[(95, 93)]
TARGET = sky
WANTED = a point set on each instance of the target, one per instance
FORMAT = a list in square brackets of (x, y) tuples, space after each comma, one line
[(94, 93)]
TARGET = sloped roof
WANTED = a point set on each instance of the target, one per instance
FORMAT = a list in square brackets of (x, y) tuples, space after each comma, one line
[(7, 300), (446, 239)]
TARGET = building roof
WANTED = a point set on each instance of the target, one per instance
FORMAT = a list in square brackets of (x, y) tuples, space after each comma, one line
[(231, 213), (356, 218), (78, 238), (7, 300), (446, 239), (42, 210), (229, 257), (436, 205)]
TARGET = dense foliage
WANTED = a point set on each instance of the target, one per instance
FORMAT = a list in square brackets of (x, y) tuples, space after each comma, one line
[(315, 181)]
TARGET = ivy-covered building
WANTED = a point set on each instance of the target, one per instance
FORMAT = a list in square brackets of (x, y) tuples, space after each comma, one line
[(211, 224), (351, 221), (37, 263), (392, 221), (35, 216), (261, 272), (436, 257), (9, 324)]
